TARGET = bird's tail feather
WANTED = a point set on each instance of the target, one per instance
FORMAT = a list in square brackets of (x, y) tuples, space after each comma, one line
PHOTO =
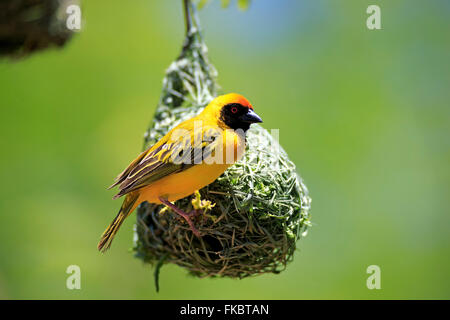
[(129, 204)]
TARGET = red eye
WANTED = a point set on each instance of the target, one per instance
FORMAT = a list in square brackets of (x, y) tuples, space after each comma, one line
[(234, 109)]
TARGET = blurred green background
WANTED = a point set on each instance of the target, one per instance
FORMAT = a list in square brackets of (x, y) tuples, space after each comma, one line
[(364, 115)]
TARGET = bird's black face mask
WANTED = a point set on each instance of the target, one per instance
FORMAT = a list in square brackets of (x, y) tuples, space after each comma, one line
[(236, 116)]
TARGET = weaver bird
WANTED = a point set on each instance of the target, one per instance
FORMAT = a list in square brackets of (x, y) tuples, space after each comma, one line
[(189, 157)]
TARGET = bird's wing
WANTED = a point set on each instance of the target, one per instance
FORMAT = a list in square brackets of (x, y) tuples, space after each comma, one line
[(165, 158)]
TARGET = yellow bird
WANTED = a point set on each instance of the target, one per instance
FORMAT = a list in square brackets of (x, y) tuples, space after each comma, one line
[(188, 158)]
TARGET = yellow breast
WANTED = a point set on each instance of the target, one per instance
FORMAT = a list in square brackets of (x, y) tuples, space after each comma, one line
[(180, 185)]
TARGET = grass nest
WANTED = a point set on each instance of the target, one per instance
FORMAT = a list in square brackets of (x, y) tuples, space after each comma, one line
[(261, 206), (29, 26)]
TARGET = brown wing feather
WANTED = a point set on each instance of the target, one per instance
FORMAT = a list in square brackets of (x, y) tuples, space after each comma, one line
[(123, 175), (146, 169), (157, 162)]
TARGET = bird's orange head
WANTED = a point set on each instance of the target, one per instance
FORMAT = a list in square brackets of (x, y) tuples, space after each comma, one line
[(232, 111)]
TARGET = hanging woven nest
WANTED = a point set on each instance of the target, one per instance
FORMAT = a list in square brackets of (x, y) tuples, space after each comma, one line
[(261, 206), (28, 26)]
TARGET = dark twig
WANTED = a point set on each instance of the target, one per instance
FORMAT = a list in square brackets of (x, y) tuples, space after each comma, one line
[(187, 15)]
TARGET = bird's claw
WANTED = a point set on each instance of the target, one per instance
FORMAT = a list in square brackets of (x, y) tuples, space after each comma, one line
[(201, 205)]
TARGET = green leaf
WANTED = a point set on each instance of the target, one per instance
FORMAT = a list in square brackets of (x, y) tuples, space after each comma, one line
[(243, 4), (202, 3)]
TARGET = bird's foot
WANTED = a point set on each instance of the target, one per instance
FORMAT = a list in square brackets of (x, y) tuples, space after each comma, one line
[(202, 206), (186, 216)]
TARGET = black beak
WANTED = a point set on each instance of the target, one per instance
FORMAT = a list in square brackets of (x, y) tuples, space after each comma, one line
[(250, 117)]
